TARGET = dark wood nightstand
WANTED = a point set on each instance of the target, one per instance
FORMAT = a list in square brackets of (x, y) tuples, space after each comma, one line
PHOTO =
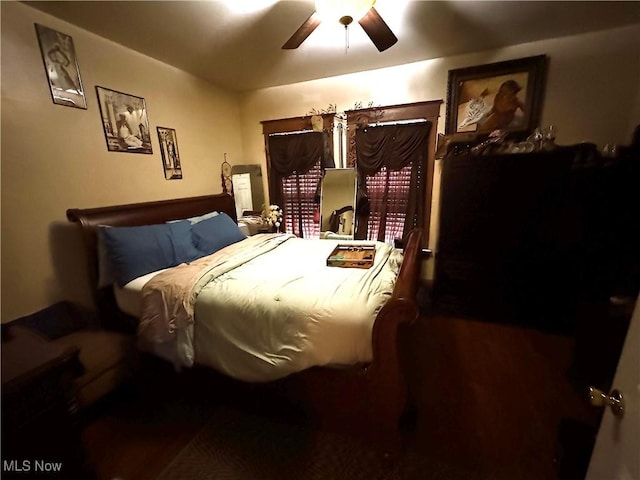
[(40, 434), (425, 253)]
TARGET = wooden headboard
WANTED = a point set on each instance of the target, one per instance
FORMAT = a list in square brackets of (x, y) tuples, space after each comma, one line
[(134, 214)]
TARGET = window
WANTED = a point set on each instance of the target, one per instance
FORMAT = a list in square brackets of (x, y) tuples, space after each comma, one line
[(388, 193), (300, 202), (390, 161), (296, 158), (385, 209)]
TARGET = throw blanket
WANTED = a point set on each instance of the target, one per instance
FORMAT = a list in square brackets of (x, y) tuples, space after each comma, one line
[(266, 307)]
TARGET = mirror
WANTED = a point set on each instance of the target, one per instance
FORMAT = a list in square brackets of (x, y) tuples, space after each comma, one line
[(337, 202)]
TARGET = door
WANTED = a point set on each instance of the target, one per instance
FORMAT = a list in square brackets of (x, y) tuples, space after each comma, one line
[(615, 454)]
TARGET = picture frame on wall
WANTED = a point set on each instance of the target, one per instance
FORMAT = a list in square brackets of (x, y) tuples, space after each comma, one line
[(170, 155), (61, 66), (503, 96), (125, 121)]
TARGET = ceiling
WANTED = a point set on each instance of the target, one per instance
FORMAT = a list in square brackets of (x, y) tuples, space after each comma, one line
[(241, 50)]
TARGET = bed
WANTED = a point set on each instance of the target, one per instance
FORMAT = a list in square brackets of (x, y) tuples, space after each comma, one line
[(360, 380)]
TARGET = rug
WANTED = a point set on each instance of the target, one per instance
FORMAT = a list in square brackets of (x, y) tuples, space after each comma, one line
[(240, 445)]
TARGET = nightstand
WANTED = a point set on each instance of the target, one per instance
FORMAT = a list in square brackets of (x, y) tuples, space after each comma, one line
[(40, 434), (425, 253)]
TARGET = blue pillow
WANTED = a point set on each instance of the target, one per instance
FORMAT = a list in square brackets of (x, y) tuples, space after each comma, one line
[(136, 251), (214, 233)]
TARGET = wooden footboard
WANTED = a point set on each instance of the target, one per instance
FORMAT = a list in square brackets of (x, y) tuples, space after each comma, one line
[(370, 397)]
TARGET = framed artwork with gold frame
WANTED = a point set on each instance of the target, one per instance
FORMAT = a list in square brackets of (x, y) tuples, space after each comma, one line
[(498, 96)]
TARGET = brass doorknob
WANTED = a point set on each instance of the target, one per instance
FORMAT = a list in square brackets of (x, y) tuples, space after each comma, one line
[(598, 398)]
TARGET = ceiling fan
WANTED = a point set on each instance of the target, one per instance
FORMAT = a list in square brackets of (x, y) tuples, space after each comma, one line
[(345, 11)]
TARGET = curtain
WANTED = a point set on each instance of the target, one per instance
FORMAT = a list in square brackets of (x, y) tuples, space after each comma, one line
[(391, 161), (300, 202), (297, 161)]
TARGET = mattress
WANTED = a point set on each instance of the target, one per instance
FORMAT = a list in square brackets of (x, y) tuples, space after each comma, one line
[(129, 297)]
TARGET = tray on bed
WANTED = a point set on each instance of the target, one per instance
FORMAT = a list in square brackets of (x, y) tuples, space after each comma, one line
[(352, 256)]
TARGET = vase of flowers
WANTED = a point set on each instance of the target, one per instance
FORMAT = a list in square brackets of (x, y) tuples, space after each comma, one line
[(272, 217)]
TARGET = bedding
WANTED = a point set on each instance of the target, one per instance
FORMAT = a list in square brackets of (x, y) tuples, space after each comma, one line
[(250, 224), (126, 253), (197, 218), (200, 218), (106, 270), (216, 234), (265, 307), (212, 234), (129, 297), (136, 251)]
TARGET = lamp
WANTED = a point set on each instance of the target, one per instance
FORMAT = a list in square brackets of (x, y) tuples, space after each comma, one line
[(345, 11)]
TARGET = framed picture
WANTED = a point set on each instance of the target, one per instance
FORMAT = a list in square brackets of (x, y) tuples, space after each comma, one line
[(61, 65), (498, 96), (125, 121), (170, 155)]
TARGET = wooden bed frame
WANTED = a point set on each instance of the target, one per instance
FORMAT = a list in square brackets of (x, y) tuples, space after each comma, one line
[(369, 398)]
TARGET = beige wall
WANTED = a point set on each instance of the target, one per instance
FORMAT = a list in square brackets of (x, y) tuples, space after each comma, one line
[(55, 157), (592, 92)]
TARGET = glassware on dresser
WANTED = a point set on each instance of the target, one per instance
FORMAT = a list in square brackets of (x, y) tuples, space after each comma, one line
[(536, 138), (610, 150), (543, 139), (549, 137)]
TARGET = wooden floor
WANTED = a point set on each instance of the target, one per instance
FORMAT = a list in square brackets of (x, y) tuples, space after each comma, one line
[(492, 395), (488, 396)]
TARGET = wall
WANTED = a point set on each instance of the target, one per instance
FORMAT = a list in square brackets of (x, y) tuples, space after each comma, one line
[(55, 157), (592, 92)]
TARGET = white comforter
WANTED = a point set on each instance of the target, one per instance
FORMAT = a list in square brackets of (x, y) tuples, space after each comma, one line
[(267, 307)]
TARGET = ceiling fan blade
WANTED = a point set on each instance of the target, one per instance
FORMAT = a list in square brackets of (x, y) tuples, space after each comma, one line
[(378, 31), (303, 32)]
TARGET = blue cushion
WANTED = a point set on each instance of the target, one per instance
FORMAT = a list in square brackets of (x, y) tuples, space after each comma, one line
[(136, 251), (214, 233)]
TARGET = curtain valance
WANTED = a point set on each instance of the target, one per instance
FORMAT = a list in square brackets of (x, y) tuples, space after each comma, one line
[(298, 152), (391, 146)]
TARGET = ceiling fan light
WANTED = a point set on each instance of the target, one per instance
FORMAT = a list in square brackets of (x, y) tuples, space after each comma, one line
[(334, 10), (346, 20)]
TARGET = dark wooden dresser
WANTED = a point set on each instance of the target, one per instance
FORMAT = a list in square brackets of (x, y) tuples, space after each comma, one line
[(40, 436), (516, 238)]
